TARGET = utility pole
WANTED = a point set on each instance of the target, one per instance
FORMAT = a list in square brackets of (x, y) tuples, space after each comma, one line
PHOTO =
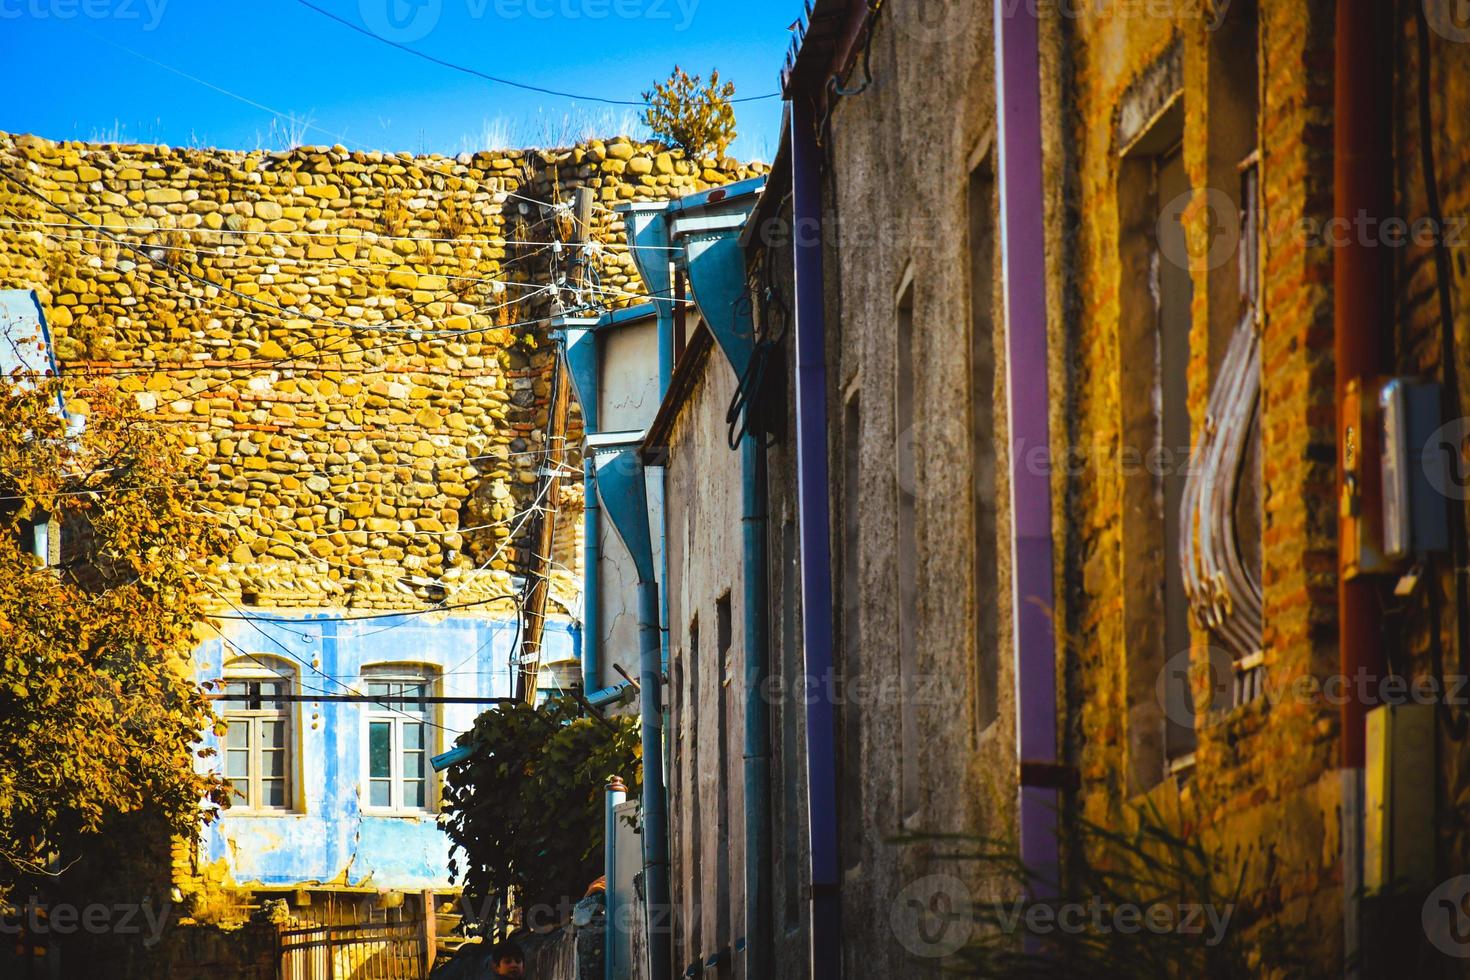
[(533, 610)]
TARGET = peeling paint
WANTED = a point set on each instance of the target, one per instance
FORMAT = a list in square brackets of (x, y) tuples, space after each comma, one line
[(327, 838)]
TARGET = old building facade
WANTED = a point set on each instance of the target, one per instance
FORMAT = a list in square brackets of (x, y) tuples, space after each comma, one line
[(1219, 204), (355, 346)]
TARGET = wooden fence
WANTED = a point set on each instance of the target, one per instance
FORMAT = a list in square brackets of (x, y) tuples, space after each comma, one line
[(374, 951)]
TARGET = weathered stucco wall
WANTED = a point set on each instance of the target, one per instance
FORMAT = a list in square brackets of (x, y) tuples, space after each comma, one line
[(328, 838), (706, 670), (899, 220)]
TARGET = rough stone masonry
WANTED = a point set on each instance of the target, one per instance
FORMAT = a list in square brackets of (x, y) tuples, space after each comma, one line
[(352, 342)]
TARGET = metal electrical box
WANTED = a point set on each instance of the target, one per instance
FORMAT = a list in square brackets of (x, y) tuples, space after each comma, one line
[(1415, 468), (1398, 837)]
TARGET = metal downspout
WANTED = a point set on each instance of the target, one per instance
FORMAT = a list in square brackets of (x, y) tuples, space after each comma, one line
[(813, 489), (716, 268), (592, 597), (578, 346), (757, 711), (1023, 251), (1362, 84), (615, 794), (621, 483), (655, 803)]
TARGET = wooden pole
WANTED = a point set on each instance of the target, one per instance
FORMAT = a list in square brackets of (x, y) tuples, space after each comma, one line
[(533, 611), (430, 933)]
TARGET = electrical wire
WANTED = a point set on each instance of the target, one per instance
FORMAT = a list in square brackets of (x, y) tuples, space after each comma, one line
[(342, 138), (280, 312), (298, 681), (348, 236), (1459, 722), (369, 616), (254, 258), (475, 72)]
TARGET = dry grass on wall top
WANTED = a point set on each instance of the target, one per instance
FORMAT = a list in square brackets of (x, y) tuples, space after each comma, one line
[(341, 337)]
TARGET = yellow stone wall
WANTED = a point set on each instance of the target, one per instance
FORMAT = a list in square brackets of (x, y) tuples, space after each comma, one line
[(340, 335)]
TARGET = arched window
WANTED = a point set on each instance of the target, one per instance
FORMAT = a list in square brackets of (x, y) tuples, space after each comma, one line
[(399, 733), (258, 746)]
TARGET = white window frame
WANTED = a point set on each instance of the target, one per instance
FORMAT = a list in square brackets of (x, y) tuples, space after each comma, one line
[(399, 716), (247, 671)]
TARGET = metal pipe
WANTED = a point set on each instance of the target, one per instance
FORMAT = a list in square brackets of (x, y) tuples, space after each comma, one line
[(1361, 152), (757, 711), (1361, 148), (813, 490), (617, 794), (596, 695), (655, 806), (1023, 254)]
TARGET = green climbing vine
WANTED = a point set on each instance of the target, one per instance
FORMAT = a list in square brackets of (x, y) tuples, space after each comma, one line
[(526, 810)]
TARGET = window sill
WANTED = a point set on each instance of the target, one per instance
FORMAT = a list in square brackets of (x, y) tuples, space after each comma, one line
[(401, 814)]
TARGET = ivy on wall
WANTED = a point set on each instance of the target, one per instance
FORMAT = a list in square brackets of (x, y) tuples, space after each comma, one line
[(526, 811)]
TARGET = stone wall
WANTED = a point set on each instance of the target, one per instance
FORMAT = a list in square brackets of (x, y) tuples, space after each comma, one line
[(347, 340), (1263, 785)]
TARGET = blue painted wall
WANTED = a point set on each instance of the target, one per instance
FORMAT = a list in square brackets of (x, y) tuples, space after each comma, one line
[(327, 838)]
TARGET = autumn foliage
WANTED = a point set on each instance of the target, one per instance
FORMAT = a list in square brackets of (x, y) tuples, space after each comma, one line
[(687, 112), (98, 715), (526, 811)]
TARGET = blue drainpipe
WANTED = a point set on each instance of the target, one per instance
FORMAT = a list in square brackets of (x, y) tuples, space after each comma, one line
[(579, 351), (1023, 263), (716, 267), (620, 480), (591, 596), (648, 234)]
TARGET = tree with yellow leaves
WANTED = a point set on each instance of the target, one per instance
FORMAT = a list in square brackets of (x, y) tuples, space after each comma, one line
[(99, 716), (697, 117)]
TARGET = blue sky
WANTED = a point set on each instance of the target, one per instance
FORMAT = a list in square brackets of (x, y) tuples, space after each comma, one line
[(297, 66)]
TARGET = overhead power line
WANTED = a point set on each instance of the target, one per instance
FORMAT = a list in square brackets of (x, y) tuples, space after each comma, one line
[(475, 72), (300, 621)]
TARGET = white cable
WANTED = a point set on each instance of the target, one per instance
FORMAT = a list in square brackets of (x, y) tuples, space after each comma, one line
[(348, 236)]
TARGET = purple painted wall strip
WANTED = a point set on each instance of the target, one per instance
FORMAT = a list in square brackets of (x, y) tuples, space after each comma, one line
[(1023, 251), (813, 493)]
